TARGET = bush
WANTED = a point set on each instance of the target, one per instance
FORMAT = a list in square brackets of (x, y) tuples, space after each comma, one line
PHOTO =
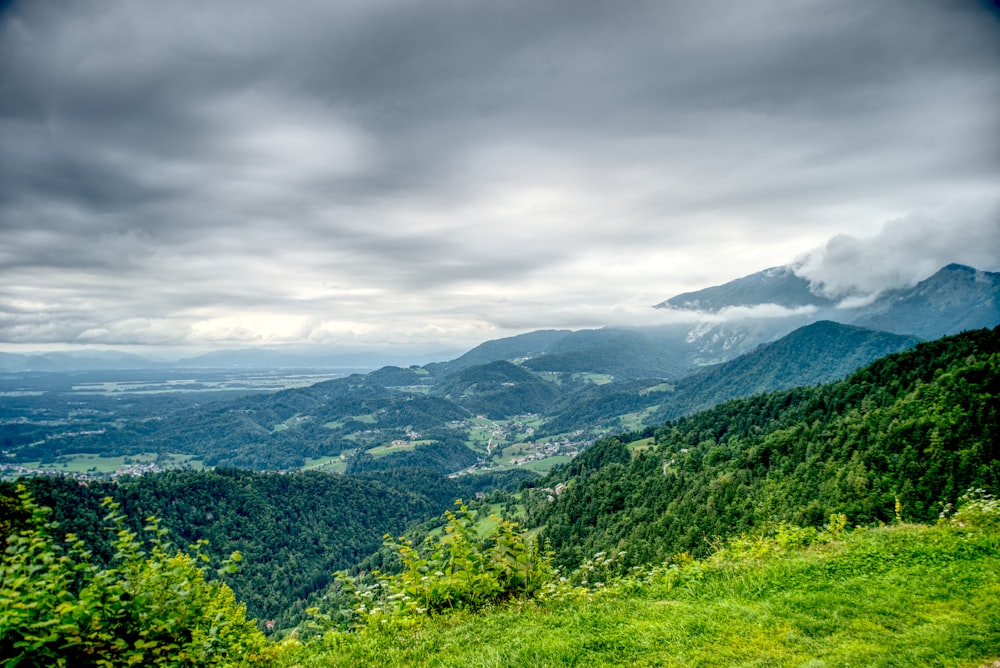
[(150, 608), (976, 508), (457, 569)]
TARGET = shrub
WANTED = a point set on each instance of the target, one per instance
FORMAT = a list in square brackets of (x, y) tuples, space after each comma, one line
[(457, 569), (151, 608), (976, 508)]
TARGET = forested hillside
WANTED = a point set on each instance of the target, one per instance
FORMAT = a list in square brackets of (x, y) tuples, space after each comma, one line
[(918, 427), (818, 353), (292, 530)]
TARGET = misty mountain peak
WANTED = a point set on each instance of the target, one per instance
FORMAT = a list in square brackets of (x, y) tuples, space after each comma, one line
[(776, 285)]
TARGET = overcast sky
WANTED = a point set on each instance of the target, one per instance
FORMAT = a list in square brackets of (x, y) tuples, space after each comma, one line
[(362, 172)]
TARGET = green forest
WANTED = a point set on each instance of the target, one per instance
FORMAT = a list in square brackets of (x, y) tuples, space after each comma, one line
[(849, 523), (920, 427)]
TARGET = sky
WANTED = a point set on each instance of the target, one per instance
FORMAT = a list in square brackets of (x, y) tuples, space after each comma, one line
[(202, 174)]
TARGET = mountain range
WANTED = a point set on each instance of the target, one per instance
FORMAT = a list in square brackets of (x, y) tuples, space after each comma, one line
[(427, 416), (575, 386), (725, 321), (954, 299)]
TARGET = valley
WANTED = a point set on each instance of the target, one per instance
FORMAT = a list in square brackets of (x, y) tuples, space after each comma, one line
[(499, 414), (40, 409)]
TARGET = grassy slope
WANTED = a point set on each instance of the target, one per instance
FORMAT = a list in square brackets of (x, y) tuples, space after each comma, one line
[(902, 596)]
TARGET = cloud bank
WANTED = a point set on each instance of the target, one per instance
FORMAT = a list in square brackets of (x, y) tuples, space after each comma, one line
[(906, 251), (388, 172)]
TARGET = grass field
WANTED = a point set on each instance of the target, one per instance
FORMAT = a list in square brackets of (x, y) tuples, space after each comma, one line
[(545, 465), (891, 597), (383, 450), (332, 464), (643, 444), (637, 419), (99, 464)]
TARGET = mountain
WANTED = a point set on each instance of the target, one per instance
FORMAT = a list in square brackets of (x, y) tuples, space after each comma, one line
[(954, 299), (641, 352), (508, 348), (907, 434), (497, 390), (818, 353), (777, 285), (822, 352), (260, 358), (632, 352), (247, 358), (253, 358), (79, 360)]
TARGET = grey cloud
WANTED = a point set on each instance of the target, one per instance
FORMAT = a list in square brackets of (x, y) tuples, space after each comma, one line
[(181, 159), (905, 251)]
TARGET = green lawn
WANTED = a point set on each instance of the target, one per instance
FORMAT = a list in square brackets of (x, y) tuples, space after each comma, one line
[(333, 464), (907, 596), (545, 465), (99, 464), (383, 450)]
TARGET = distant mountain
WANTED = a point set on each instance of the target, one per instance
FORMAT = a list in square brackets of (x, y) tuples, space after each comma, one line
[(777, 285), (248, 358), (623, 353), (955, 299), (819, 353), (253, 358), (633, 352), (508, 348), (79, 360)]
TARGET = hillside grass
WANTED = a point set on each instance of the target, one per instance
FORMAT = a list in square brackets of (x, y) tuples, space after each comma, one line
[(894, 596), (102, 464)]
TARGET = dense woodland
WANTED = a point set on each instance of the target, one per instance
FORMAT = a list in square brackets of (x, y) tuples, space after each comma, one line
[(293, 530), (919, 426)]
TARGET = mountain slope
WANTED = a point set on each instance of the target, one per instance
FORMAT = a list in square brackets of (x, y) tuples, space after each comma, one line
[(509, 348), (920, 426), (777, 285), (954, 299), (818, 353), (292, 530), (498, 390), (623, 353)]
